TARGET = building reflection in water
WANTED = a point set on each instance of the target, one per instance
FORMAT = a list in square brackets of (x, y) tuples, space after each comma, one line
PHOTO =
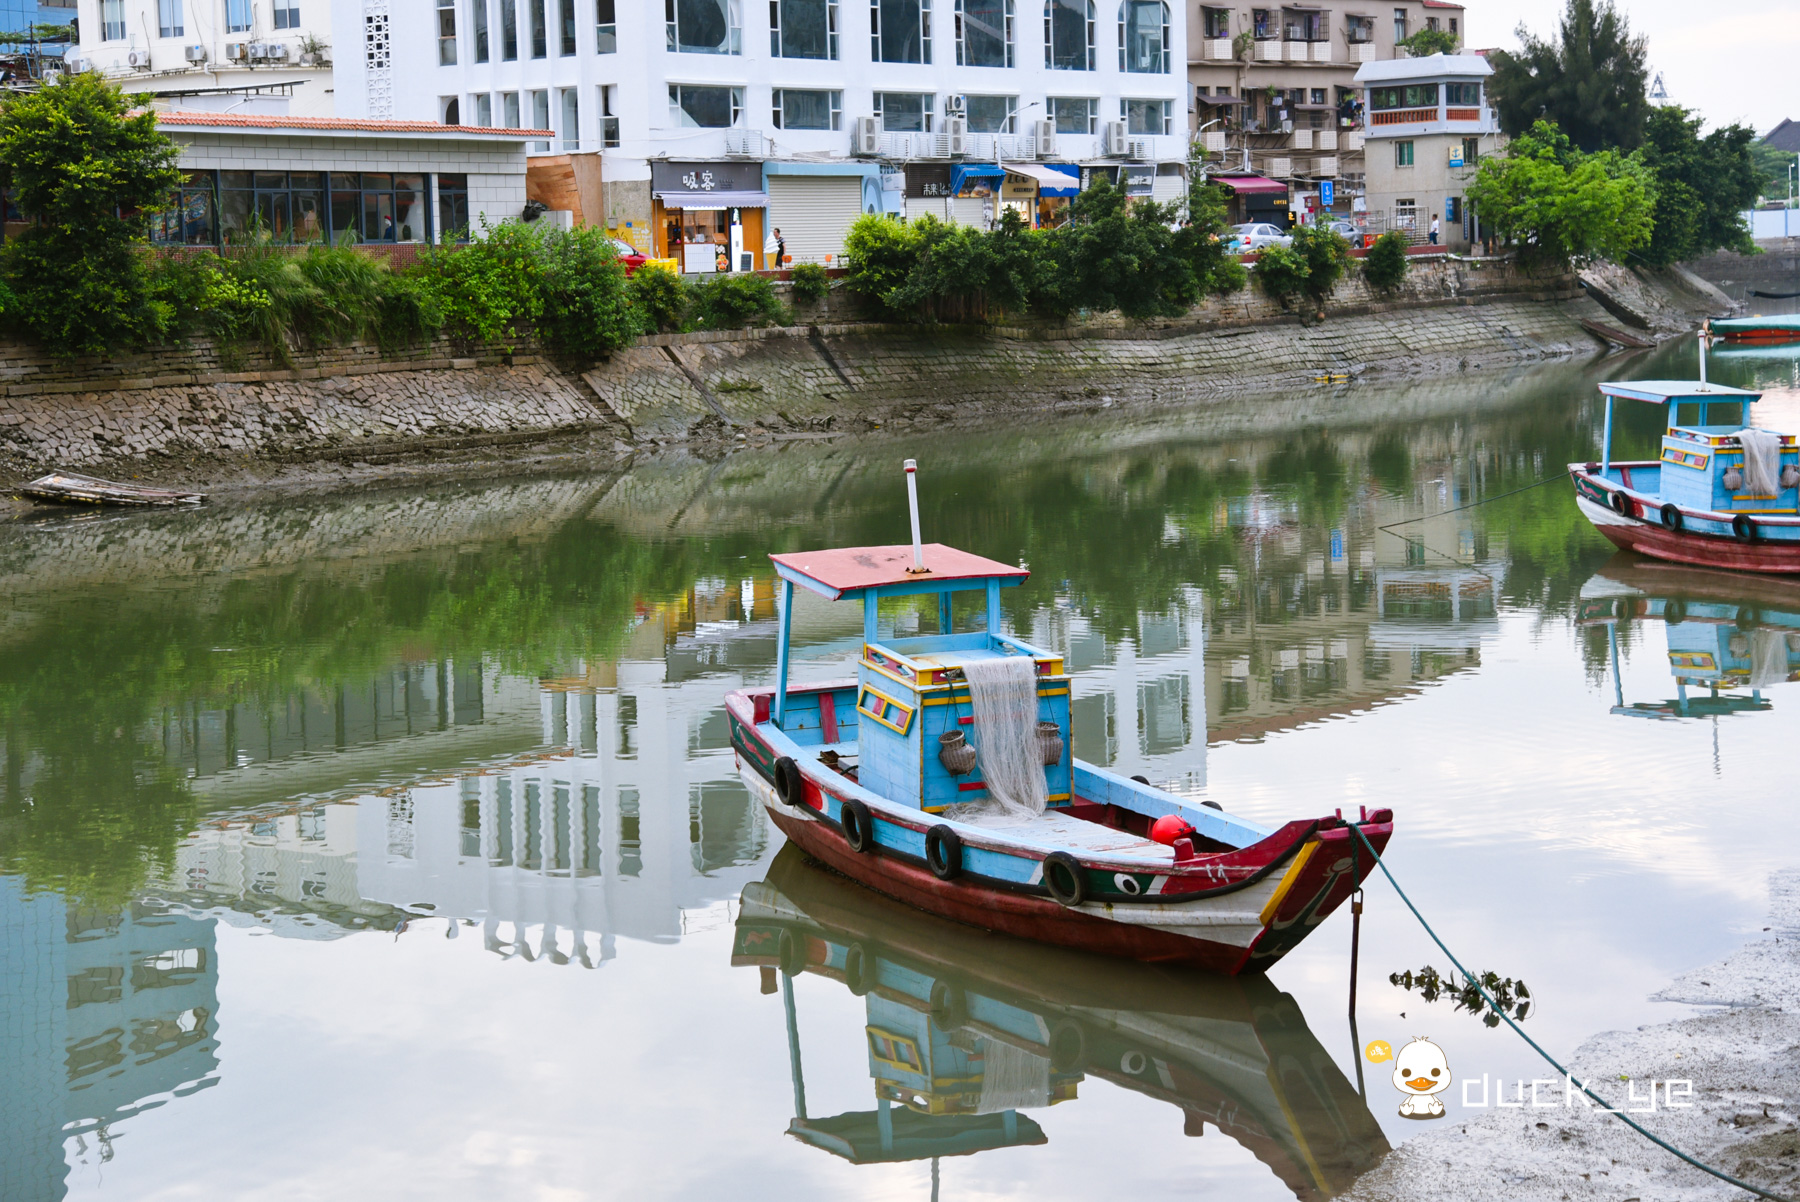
[(965, 1031), (103, 1014), (1728, 636)]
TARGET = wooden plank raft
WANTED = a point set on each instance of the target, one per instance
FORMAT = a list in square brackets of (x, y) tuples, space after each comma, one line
[(1614, 335), (67, 488)]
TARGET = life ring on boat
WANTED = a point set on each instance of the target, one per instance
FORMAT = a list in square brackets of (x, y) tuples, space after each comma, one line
[(790, 786), (859, 969), (858, 824), (1068, 1047), (1621, 503), (943, 852), (1674, 613), (946, 1006), (1142, 780), (1743, 529), (1671, 517), (1064, 878)]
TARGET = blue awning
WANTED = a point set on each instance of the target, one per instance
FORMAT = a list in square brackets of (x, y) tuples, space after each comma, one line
[(1051, 181), (964, 172)]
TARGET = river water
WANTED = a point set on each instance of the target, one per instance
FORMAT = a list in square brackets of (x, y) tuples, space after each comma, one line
[(390, 845)]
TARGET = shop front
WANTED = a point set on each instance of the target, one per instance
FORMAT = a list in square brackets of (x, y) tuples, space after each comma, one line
[(1040, 193), (975, 190), (928, 190), (708, 217), (1254, 198)]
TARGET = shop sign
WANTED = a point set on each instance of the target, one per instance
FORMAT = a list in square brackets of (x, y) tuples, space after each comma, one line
[(927, 180), (1139, 181), (737, 176), (1090, 174)]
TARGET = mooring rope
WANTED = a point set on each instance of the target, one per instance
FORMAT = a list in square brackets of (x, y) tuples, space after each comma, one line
[(1468, 976), (1562, 475)]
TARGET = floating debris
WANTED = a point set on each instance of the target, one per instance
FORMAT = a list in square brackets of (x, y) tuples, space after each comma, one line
[(1512, 997), (67, 488)]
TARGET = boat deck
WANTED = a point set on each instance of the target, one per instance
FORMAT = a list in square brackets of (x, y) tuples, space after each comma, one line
[(1063, 830)]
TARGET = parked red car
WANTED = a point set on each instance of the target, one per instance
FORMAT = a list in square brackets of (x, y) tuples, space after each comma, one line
[(628, 255)]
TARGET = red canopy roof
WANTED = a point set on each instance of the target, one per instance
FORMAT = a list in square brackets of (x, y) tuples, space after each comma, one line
[(841, 571), (1245, 185)]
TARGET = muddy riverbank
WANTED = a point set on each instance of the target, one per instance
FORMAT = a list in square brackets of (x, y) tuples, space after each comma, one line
[(350, 416)]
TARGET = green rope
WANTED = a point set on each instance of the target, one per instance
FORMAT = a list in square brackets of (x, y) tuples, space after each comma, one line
[(1566, 1074)]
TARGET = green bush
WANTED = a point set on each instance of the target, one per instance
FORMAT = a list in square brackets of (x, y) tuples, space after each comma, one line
[(881, 253), (1281, 273), (658, 298), (89, 175), (490, 289), (1386, 265), (1327, 256), (585, 312), (811, 284), (730, 302)]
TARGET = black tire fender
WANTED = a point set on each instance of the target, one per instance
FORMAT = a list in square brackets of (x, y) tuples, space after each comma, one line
[(858, 824), (944, 852), (1068, 1047), (860, 969), (947, 1008), (1671, 516), (790, 786), (1621, 503), (1065, 879), (1743, 528), (790, 954)]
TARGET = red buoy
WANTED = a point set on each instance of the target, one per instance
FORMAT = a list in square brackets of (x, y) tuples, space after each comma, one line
[(1169, 828)]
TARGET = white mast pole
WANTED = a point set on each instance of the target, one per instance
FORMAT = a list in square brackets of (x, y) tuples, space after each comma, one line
[(1705, 330), (912, 501)]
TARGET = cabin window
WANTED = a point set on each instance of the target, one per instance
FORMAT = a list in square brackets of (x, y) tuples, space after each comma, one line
[(1710, 413), (1407, 96), (1464, 95)]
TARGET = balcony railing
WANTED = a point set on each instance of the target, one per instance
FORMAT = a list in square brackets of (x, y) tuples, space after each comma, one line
[(996, 147), (1403, 116)]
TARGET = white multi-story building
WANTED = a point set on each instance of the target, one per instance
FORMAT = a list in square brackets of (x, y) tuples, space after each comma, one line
[(1429, 124), (709, 123), (246, 56)]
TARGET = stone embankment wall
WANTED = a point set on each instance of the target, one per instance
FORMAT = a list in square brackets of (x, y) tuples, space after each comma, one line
[(1776, 269), (187, 401)]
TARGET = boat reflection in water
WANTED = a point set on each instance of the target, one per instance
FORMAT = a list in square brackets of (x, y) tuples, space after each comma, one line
[(967, 1029), (1729, 636)]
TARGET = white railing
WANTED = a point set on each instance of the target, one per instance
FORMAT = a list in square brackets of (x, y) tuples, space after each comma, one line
[(993, 147), (745, 144), (915, 146)]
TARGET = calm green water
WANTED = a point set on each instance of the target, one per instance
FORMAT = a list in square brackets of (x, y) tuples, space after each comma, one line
[(391, 845)]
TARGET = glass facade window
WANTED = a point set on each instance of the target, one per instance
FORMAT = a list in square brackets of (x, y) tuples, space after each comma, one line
[(565, 20), (796, 109), (1403, 154), (900, 31), (571, 119), (803, 28), (1411, 96), (509, 110), (606, 27), (446, 30), (509, 30), (540, 37), (1069, 35), (168, 19), (984, 33), (112, 20), (453, 208), (287, 14), (702, 106), (237, 16), (904, 112), (478, 29), (1144, 37), (540, 115), (1462, 95), (1145, 116), (279, 206), (191, 218), (1215, 23), (483, 107), (1075, 114), (991, 114), (704, 26), (378, 206), (609, 122)]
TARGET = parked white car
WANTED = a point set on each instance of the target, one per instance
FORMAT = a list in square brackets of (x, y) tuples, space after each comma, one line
[(1254, 235)]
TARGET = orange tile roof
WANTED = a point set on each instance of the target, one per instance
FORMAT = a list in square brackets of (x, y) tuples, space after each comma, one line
[(346, 124)]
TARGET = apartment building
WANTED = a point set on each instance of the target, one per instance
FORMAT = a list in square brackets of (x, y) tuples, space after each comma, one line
[(715, 121), (1275, 91), (240, 56), (1429, 123)]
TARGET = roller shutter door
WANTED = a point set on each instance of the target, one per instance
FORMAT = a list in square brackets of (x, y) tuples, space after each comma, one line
[(814, 213), (971, 210), (1168, 188)]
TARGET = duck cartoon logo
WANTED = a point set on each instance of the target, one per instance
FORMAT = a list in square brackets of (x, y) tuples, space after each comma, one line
[(1421, 1073)]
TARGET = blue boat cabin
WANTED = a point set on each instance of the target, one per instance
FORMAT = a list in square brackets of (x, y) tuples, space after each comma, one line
[(1698, 448)]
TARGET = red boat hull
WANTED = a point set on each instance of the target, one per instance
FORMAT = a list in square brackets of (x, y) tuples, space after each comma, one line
[(1633, 531)]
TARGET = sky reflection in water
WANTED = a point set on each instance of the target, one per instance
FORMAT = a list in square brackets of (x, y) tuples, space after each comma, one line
[(391, 846)]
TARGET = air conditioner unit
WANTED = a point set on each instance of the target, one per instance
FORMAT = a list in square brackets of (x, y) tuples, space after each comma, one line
[(75, 63), (237, 52), (196, 54), (956, 133), (1044, 133), (865, 139), (139, 59), (953, 104), (1137, 150), (1112, 139), (276, 52)]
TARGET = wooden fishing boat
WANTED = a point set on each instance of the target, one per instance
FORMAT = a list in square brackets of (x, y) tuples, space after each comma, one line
[(70, 488), (968, 1032), (1700, 501), (875, 776), (1774, 327)]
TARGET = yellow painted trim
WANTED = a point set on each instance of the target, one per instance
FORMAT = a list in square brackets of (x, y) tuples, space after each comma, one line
[(862, 708), (974, 796), (893, 676), (897, 1040), (1287, 882), (964, 700)]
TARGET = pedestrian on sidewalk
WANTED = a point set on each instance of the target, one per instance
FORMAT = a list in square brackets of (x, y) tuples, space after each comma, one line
[(1434, 229), (777, 247)]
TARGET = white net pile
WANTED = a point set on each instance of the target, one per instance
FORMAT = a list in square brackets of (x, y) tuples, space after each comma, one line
[(1012, 1078), (1762, 461), (1003, 699), (1768, 658)]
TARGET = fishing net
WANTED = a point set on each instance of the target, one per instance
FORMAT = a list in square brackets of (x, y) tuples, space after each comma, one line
[(1003, 699), (1762, 461), (1012, 1078), (1768, 658)]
